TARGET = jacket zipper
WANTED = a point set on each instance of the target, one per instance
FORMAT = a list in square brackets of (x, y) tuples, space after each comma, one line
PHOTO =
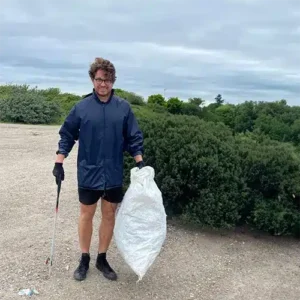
[(103, 105)]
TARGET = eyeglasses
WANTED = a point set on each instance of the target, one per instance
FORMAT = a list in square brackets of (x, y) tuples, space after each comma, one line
[(100, 80)]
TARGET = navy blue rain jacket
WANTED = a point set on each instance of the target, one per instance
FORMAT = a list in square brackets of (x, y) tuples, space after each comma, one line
[(104, 131)]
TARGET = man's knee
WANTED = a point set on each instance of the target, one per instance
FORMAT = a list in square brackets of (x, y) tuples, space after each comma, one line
[(87, 212), (108, 217), (108, 211)]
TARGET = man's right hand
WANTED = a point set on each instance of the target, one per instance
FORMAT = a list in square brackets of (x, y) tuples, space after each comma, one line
[(58, 172)]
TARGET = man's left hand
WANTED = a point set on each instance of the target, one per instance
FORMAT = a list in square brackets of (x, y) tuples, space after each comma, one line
[(140, 164)]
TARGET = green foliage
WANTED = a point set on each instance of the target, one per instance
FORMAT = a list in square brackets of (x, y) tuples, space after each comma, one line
[(130, 97), (211, 177), (275, 119), (50, 94), (197, 168), (157, 108), (275, 217), (196, 101), (295, 132), (245, 117), (271, 168), (67, 101), (273, 127), (219, 99), (220, 165), (29, 108), (190, 109), (157, 99), (174, 105), (209, 113), (271, 171), (7, 90), (227, 114)]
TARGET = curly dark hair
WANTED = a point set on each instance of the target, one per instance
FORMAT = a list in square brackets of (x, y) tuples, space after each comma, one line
[(104, 65)]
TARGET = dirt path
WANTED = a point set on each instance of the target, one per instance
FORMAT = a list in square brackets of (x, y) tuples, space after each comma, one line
[(192, 265)]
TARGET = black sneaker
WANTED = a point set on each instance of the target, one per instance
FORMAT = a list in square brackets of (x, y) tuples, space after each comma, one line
[(81, 271), (103, 266)]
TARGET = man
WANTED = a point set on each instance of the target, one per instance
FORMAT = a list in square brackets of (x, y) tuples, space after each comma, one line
[(105, 126)]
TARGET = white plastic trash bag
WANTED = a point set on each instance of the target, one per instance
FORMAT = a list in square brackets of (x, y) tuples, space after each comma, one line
[(141, 225)]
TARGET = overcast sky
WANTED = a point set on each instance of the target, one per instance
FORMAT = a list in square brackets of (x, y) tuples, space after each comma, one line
[(242, 49)]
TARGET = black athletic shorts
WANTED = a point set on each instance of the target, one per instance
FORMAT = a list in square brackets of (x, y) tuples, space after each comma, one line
[(89, 197)]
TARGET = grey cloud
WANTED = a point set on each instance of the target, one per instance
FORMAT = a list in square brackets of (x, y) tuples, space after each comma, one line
[(242, 49)]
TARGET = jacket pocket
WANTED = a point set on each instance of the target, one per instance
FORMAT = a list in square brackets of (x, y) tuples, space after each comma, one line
[(91, 176)]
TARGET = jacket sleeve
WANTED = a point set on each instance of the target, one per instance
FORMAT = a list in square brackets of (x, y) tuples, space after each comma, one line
[(134, 141), (69, 132)]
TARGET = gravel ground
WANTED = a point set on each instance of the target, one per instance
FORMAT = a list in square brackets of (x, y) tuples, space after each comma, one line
[(193, 264)]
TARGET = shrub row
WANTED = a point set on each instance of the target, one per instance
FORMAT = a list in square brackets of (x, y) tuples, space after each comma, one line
[(207, 174), (29, 108), (210, 177)]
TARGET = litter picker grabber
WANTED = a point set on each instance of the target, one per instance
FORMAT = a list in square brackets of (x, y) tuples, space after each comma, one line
[(50, 259)]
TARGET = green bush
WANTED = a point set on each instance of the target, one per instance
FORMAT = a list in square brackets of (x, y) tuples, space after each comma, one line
[(276, 216), (219, 167), (156, 99), (30, 108), (190, 109), (132, 98), (295, 129), (210, 177), (271, 171), (197, 168), (157, 108), (67, 101), (50, 94), (174, 105), (8, 89)]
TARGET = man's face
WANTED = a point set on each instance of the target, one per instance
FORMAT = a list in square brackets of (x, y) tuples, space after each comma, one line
[(102, 84)]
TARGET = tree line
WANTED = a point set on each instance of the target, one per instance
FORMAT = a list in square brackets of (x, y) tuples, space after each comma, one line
[(217, 164)]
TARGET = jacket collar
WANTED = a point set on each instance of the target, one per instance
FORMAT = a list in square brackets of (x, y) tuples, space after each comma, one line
[(98, 100)]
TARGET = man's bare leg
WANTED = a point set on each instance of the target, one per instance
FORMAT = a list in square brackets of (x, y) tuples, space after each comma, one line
[(85, 230), (105, 235), (85, 226), (107, 224)]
